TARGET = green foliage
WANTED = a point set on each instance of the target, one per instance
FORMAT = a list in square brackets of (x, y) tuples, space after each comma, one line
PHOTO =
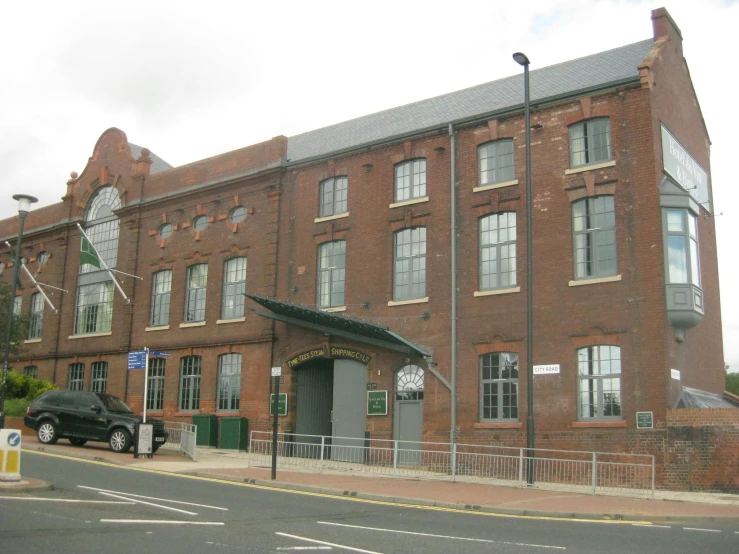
[(732, 383), (16, 407), (19, 331), (23, 386)]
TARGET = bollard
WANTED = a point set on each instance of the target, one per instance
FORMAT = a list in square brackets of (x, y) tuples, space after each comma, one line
[(10, 455)]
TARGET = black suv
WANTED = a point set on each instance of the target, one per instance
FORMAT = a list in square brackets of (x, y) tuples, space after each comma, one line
[(82, 416)]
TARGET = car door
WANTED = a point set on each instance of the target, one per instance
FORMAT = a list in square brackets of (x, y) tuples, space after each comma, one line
[(66, 410), (91, 417)]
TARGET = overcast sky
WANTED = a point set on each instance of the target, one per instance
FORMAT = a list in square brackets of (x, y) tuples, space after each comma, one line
[(193, 79)]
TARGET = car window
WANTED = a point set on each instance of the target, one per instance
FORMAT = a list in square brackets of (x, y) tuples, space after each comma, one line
[(51, 398), (87, 401), (67, 400), (115, 404)]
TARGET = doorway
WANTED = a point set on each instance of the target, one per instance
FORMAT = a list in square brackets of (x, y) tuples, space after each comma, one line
[(408, 414)]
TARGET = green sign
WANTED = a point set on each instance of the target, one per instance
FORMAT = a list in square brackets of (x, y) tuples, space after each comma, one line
[(644, 420), (376, 402), (281, 404)]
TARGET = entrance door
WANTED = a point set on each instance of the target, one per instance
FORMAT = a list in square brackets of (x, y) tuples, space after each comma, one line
[(349, 414), (313, 410), (408, 414)]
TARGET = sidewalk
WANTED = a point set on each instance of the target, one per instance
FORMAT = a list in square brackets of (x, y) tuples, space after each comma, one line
[(233, 466)]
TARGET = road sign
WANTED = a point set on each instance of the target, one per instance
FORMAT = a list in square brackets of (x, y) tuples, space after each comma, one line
[(137, 359), (157, 354), (277, 371)]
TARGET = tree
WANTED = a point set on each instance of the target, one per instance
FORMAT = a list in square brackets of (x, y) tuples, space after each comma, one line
[(732, 382), (20, 327)]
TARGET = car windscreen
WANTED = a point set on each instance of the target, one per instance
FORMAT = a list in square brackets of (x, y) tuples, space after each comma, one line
[(115, 404)]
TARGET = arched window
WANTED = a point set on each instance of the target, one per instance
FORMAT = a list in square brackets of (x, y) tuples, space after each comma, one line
[(102, 225), (410, 180), (190, 370), (229, 382), (409, 383), (495, 162)]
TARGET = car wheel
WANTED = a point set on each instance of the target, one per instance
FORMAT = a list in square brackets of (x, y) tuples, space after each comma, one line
[(78, 442), (47, 433), (120, 440)]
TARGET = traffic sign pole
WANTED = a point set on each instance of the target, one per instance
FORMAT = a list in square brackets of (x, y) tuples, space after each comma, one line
[(276, 373), (146, 380)]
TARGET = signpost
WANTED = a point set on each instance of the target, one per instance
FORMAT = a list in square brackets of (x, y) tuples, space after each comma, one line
[(144, 440), (276, 374), (139, 359)]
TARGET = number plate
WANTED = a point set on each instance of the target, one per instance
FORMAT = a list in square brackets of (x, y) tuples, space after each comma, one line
[(158, 439)]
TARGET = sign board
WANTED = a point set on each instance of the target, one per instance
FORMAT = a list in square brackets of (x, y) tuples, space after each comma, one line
[(376, 402), (371, 386), (644, 420), (683, 168), (10, 455), (675, 374), (550, 369), (157, 354), (305, 356), (358, 355), (281, 404), (144, 439), (137, 359), (277, 371)]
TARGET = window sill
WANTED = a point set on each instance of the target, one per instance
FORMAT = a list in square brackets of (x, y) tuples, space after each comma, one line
[(496, 291), (157, 328), (334, 309), (31, 341), (194, 324), (590, 167), (90, 335), (595, 281), (482, 188), (603, 424), (330, 217), (404, 302), (501, 425), (409, 202), (234, 320)]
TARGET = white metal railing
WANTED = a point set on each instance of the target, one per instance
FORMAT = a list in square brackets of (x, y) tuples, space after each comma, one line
[(182, 437), (587, 471)]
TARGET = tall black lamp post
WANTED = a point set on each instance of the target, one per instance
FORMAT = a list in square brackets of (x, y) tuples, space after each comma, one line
[(521, 59), (24, 206)]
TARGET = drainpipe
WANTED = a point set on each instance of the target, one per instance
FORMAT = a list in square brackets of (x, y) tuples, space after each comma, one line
[(453, 189)]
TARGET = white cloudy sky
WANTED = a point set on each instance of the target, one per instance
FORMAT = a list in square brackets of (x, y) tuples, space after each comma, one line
[(192, 79)]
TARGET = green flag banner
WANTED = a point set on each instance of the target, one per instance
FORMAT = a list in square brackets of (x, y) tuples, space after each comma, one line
[(88, 254)]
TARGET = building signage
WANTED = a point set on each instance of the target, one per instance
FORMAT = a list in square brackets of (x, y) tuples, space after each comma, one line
[(675, 374), (281, 404), (144, 440), (550, 369), (337, 352), (277, 371), (682, 167), (644, 420), (305, 356), (376, 402), (157, 354), (137, 359), (371, 386)]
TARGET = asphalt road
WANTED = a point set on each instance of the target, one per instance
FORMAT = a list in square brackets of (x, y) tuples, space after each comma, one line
[(97, 507)]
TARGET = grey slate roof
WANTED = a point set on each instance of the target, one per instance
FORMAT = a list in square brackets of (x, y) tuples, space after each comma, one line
[(575, 76), (157, 164), (694, 398)]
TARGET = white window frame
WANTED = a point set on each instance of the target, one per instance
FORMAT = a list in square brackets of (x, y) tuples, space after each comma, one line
[(598, 370), (161, 295), (589, 144), (234, 287), (495, 162), (196, 293), (409, 267), (497, 239), (334, 193), (331, 274), (229, 382), (593, 222), (504, 386)]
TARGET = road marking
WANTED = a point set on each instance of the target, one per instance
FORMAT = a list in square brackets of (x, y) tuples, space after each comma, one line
[(706, 530), (328, 543), (38, 499), (304, 548), (162, 521), (651, 525), (154, 498), (150, 504), (414, 533)]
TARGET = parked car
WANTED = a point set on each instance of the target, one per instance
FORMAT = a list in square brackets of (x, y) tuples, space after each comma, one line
[(87, 416)]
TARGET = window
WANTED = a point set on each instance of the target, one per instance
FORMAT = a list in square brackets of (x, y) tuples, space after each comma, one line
[(498, 251), (190, 369), (155, 387), (102, 227), (99, 381), (229, 382), (410, 264), (590, 142), (333, 196), (200, 223), (94, 308), (599, 376), (17, 308), (682, 248), (166, 230), (237, 214), (495, 162), (331, 274), (499, 387), (234, 286), (76, 377), (410, 180), (197, 279), (31, 371), (409, 383), (161, 288), (42, 258), (594, 228), (37, 316)]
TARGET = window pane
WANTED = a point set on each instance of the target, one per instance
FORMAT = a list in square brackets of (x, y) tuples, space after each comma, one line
[(160, 298), (410, 264), (234, 286), (229, 381), (197, 278), (678, 259)]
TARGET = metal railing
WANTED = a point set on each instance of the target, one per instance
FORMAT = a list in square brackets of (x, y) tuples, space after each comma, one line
[(586, 471), (182, 437)]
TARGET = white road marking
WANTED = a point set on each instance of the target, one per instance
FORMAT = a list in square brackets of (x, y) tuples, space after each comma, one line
[(441, 536), (649, 525), (304, 548), (327, 543), (706, 530), (155, 498), (150, 504), (162, 521), (70, 500)]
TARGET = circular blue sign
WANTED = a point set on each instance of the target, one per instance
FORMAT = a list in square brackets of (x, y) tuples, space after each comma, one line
[(14, 439)]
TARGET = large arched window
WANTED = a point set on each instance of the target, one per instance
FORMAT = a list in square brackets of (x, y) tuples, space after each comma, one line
[(409, 383), (101, 226)]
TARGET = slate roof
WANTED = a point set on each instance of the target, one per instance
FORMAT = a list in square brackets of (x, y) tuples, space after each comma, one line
[(157, 164), (694, 398), (598, 71)]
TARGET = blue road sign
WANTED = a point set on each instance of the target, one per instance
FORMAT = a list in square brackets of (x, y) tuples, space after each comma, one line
[(137, 359), (158, 354), (14, 439)]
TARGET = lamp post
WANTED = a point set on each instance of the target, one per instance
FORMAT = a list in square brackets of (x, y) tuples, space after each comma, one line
[(24, 206), (521, 59)]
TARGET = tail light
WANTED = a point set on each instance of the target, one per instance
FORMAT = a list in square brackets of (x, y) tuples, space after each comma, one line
[(28, 412)]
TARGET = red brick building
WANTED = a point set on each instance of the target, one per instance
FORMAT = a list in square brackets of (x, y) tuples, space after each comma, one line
[(342, 238)]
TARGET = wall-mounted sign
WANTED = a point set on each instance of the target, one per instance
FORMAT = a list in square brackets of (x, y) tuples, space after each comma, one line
[(550, 369), (277, 371), (675, 374), (281, 404), (358, 355), (683, 168), (644, 420), (305, 356), (371, 386), (376, 402)]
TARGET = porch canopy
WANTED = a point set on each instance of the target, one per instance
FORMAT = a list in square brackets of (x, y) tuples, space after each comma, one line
[(333, 324)]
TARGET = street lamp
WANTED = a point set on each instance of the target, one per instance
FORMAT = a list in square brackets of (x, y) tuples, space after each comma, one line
[(24, 206), (521, 59)]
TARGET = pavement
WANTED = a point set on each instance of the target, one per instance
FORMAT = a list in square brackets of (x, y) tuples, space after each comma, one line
[(477, 495)]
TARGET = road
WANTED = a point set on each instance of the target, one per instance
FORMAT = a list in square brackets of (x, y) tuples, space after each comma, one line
[(97, 507)]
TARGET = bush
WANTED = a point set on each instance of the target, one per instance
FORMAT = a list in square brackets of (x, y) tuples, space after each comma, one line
[(16, 407), (732, 383), (23, 386)]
